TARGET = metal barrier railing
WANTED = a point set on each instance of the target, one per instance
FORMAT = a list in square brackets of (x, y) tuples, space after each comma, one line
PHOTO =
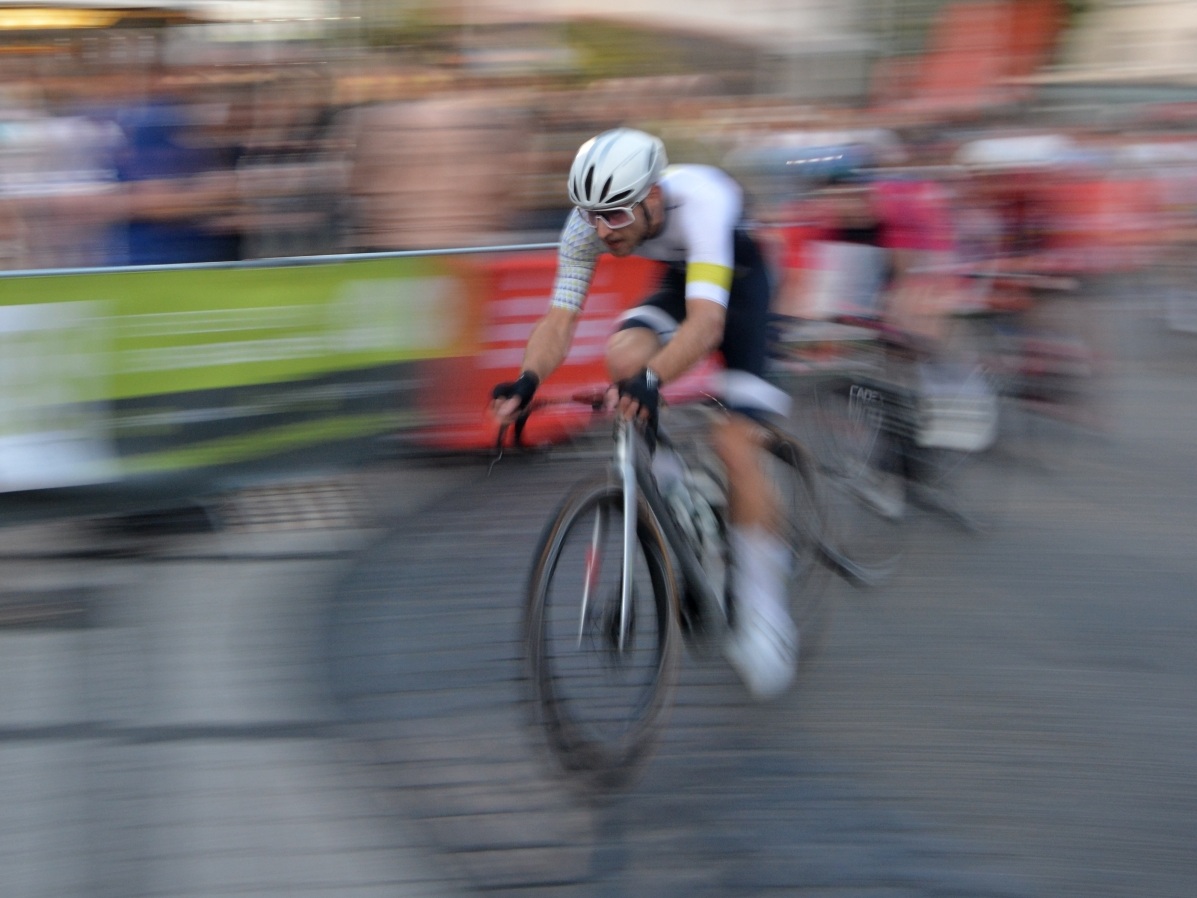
[(287, 261)]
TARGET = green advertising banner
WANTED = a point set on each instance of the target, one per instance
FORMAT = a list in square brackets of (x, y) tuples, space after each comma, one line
[(110, 374)]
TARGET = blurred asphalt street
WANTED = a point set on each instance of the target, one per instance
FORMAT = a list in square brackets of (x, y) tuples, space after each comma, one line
[(165, 728), (326, 702)]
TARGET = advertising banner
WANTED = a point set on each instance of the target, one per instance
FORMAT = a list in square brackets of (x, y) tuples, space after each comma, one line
[(112, 374), (510, 293)]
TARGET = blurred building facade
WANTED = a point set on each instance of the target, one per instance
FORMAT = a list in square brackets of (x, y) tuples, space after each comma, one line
[(301, 127)]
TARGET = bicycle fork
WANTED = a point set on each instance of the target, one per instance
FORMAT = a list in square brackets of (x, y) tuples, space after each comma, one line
[(626, 470), (627, 473)]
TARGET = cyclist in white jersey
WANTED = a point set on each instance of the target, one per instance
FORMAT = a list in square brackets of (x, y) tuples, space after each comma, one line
[(714, 295)]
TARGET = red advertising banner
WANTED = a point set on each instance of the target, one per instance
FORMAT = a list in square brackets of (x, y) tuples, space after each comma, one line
[(507, 296)]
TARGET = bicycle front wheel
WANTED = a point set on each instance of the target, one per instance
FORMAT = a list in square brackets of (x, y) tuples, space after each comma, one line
[(601, 674)]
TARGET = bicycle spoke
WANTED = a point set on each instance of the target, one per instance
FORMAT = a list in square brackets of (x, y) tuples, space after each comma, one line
[(600, 641), (628, 478), (593, 568), (804, 527), (860, 459)]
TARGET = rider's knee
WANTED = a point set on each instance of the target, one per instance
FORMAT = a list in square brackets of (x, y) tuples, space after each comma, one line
[(737, 442), (628, 351)]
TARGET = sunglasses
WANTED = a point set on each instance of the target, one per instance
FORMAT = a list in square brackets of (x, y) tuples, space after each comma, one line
[(612, 218)]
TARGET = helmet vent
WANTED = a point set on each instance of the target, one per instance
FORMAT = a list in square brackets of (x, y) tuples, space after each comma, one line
[(615, 168)]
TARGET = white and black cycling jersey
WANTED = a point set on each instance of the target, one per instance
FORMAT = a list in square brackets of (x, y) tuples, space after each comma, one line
[(708, 255), (703, 207)]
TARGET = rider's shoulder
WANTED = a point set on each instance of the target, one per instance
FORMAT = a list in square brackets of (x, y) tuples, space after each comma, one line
[(701, 185), (696, 174)]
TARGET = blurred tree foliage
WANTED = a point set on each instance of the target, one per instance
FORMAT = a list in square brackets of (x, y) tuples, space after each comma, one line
[(603, 49), (430, 31), (607, 49), (902, 27)]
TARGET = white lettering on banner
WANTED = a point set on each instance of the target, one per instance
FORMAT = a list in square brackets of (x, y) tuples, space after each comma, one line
[(294, 397), (508, 325), (524, 280), (408, 314), (216, 321), (510, 321), (237, 352), (54, 370), (594, 329), (518, 306), (507, 357), (399, 315), (515, 308), (509, 333)]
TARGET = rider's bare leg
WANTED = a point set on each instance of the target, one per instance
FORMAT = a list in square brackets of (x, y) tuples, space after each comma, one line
[(764, 644), (628, 352), (753, 517), (737, 441)]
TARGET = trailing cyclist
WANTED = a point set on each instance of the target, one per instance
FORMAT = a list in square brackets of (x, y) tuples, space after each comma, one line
[(714, 295)]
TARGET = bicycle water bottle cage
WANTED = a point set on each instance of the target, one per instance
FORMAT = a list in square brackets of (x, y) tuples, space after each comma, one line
[(681, 506)]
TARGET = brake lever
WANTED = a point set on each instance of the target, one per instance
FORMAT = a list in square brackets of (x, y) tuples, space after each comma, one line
[(517, 433), (498, 449)]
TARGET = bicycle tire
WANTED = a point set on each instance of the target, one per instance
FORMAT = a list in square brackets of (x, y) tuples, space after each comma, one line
[(600, 706), (859, 454), (805, 531), (955, 474)]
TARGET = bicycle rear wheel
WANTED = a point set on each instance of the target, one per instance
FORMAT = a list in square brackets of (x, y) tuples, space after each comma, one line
[(860, 457), (600, 680), (953, 464), (804, 528)]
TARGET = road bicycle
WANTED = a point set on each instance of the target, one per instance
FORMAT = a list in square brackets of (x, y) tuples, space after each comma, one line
[(634, 562), (1038, 338), (893, 432)]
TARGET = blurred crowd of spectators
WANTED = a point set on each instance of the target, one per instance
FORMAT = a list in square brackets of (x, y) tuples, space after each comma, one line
[(175, 166), (169, 165)]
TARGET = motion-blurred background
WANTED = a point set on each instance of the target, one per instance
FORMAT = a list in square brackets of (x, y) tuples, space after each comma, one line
[(1030, 137), (264, 259), (268, 128)]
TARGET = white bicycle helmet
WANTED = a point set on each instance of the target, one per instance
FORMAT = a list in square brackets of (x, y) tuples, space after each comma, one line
[(616, 168)]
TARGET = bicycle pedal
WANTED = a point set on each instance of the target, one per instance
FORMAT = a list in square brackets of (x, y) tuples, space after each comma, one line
[(690, 616), (698, 630)]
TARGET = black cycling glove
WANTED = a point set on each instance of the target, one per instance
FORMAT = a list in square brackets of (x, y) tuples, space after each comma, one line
[(645, 388), (524, 387)]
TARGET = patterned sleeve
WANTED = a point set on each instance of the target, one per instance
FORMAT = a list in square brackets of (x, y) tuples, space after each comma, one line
[(577, 256)]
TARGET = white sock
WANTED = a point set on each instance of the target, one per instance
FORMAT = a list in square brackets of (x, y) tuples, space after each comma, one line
[(760, 568)]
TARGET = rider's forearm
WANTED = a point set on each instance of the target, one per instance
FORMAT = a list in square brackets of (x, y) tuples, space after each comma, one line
[(700, 334), (549, 342)]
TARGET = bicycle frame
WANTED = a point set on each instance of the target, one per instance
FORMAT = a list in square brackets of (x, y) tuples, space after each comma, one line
[(624, 469), (632, 470)]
